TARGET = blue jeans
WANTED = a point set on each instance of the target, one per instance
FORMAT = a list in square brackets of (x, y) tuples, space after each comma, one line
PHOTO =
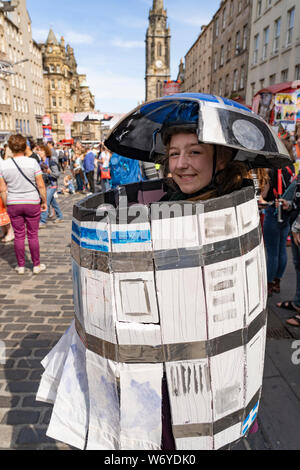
[(275, 236), (296, 261), (53, 202)]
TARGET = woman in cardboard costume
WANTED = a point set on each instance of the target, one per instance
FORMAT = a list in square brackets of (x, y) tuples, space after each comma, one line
[(167, 346)]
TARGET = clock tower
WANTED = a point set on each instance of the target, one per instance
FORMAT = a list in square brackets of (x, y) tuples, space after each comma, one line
[(157, 51)]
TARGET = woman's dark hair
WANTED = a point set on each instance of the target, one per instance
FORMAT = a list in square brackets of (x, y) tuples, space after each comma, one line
[(46, 149), (17, 143), (225, 181)]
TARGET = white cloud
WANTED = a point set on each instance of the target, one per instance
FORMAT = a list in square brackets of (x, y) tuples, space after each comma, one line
[(71, 37), (123, 90), (117, 42)]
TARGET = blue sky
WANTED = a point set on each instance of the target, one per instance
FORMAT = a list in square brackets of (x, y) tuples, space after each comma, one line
[(108, 38)]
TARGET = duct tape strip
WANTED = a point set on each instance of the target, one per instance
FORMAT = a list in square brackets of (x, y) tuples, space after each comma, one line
[(171, 352), (166, 259), (210, 429), (82, 213)]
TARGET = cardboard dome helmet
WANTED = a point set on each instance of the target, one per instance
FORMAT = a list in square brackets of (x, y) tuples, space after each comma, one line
[(218, 121)]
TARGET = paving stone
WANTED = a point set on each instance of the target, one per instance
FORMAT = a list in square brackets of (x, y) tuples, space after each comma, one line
[(17, 417)]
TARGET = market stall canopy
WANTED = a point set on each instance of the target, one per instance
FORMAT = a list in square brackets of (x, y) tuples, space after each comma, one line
[(285, 87), (218, 120)]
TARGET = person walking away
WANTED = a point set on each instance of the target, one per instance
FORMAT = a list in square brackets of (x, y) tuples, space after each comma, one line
[(23, 192), (51, 174), (105, 173), (78, 170), (89, 168), (294, 207), (7, 233), (275, 232)]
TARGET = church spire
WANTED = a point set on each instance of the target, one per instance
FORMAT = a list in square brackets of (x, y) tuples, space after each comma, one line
[(158, 5)]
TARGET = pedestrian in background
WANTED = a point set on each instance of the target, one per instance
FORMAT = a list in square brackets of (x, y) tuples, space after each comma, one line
[(294, 207), (105, 172), (51, 174), (275, 232), (89, 168), (23, 192)]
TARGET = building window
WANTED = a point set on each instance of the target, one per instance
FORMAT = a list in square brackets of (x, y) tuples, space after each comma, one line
[(220, 87), (256, 47), (52, 68), (284, 75), (215, 61), (291, 23), (242, 78), (159, 50), (54, 101), (229, 49), (28, 128), (222, 56), (54, 118), (262, 83), (277, 26), (258, 8), (297, 72), (245, 37), (217, 28), (266, 42), (235, 80), (231, 7), (52, 84), (237, 43), (273, 79), (227, 81), (159, 89), (224, 18)]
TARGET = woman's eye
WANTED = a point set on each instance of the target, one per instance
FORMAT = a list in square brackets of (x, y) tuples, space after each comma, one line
[(173, 154)]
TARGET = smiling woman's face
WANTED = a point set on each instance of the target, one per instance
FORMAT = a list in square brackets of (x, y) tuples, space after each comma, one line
[(190, 163)]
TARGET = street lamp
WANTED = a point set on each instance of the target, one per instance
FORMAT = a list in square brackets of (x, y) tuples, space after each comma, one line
[(6, 68), (8, 5)]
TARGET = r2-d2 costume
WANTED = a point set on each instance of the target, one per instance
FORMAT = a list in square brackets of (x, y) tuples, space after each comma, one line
[(165, 289)]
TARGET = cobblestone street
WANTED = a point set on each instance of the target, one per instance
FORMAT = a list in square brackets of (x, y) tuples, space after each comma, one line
[(35, 311)]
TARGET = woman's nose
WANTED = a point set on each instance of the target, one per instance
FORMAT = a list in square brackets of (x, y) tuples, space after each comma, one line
[(182, 161)]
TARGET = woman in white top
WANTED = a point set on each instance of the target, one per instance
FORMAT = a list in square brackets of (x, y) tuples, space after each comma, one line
[(24, 194)]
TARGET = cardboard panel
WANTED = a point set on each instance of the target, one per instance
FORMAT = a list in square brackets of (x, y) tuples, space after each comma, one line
[(92, 235), (227, 378), (189, 392), (177, 232), (77, 292), (255, 353), (99, 305), (247, 216), (218, 225), (131, 238), (224, 297), (195, 443), (182, 315), (141, 403), (227, 436), (138, 333), (253, 276), (136, 297)]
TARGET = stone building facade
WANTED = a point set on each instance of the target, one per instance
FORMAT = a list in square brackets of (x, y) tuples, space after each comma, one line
[(230, 50), (197, 74), (66, 91), (21, 90), (274, 45), (157, 51)]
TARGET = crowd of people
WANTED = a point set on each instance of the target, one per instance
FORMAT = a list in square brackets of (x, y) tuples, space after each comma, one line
[(31, 177)]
